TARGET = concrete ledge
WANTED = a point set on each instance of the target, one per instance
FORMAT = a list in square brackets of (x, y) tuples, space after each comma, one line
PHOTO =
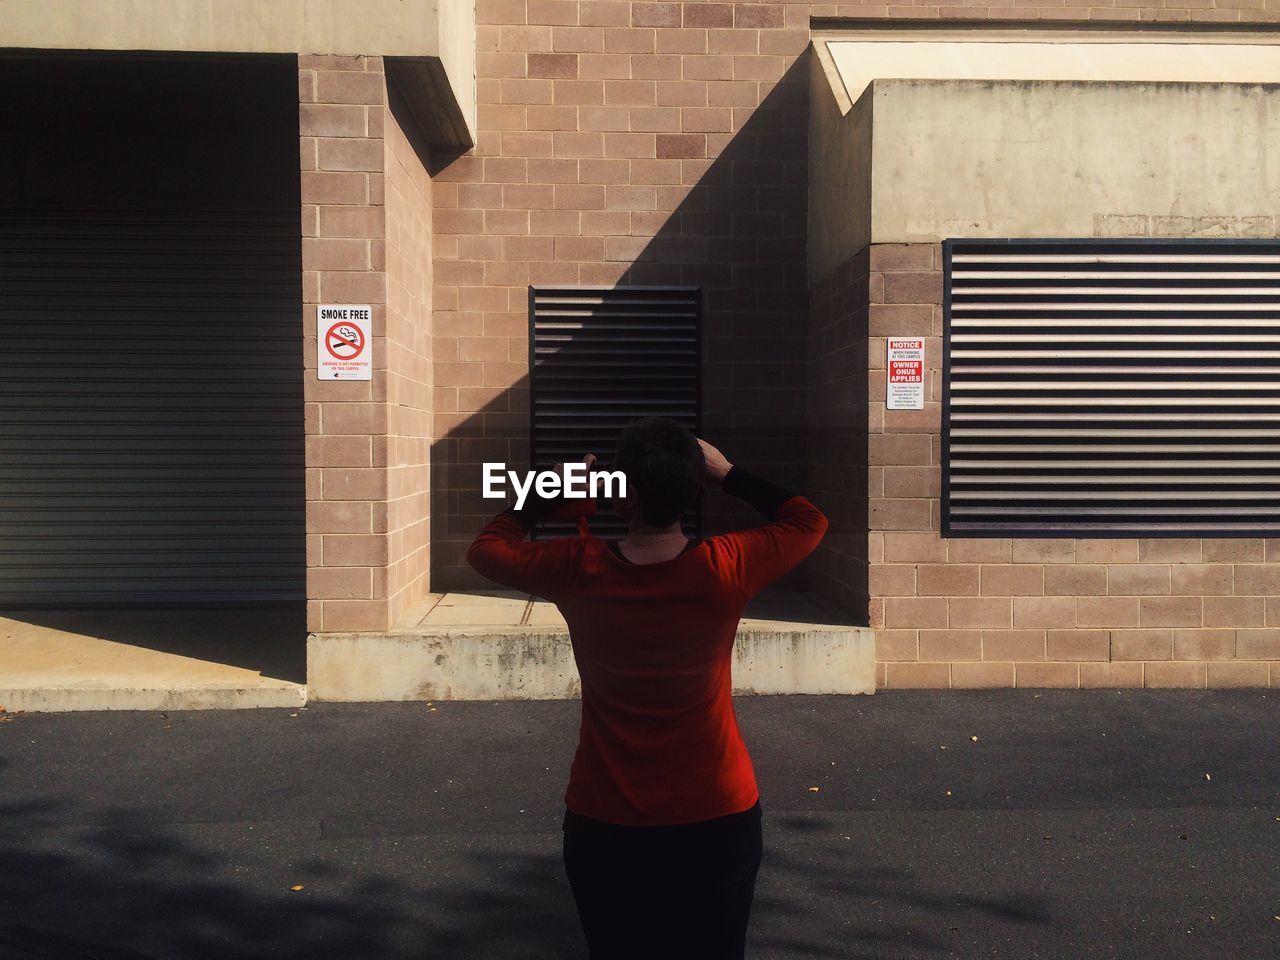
[(51, 699), (494, 664), (140, 659), (807, 660), (500, 645), (537, 664)]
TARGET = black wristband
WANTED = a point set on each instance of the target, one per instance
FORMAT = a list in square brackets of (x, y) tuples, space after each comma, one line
[(765, 495)]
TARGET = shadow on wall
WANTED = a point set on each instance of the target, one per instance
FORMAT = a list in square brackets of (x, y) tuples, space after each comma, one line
[(740, 234), (839, 408)]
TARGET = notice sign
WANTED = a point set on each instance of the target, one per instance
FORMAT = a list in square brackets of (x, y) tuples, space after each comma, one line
[(343, 334), (905, 369)]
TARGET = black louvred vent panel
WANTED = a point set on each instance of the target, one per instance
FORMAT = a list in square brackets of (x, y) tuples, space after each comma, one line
[(1111, 387), (602, 356)]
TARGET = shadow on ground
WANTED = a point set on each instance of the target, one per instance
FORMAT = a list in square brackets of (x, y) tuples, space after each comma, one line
[(268, 638), (126, 889), (958, 824)]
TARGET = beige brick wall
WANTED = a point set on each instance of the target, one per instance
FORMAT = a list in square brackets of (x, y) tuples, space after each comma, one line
[(366, 223), (970, 612), (409, 365), (646, 142), (650, 142)]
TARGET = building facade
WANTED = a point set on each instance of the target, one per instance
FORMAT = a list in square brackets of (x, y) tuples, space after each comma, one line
[(798, 183)]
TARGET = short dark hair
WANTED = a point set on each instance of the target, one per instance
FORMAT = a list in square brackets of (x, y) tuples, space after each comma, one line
[(664, 467)]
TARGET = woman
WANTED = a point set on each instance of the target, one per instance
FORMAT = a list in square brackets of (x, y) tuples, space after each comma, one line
[(662, 826)]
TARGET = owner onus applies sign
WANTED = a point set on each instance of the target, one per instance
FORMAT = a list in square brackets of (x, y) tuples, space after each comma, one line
[(344, 332), (904, 363)]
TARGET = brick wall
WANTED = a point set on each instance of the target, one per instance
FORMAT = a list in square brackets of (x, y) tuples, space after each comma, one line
[(641, 143), (366, 222), (983, 612), (340, 114), (648, 142), (409, 361)]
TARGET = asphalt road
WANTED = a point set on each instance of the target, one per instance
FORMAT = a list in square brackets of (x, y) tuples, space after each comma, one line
[(1079, 824)]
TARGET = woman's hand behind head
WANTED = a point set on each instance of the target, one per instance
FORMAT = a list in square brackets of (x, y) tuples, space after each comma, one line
[(561, 469), (717, 466)]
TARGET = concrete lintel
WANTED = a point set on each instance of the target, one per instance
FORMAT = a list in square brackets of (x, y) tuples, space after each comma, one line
[(1056, 158), (429, 44), (919, 160), (431, 105), (1004, 53), (343, 27)]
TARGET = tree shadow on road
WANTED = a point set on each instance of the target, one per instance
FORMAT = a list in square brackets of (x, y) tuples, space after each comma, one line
[(123, 887), (128, 890)]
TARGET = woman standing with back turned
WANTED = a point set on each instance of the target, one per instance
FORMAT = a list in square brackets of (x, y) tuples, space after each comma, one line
[(662, 826)]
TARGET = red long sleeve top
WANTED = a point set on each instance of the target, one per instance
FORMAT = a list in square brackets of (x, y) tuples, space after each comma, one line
[(659, 742)]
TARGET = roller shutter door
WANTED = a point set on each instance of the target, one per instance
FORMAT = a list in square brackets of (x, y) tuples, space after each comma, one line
[(151, 434), (603, 356), (1112, 388)]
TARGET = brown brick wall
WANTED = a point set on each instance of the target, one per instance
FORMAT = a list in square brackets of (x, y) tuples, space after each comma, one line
[(409, 363), (645, 143), (649, 142), (366, 216), (340, 113), (1036, 612), (665, 142)]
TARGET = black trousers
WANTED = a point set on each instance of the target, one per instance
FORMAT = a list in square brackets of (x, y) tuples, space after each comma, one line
[(672, 892)]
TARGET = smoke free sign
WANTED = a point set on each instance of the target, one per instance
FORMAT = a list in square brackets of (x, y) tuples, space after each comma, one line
[(344, 333)]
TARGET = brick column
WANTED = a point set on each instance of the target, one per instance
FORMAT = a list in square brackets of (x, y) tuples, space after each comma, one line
[(366, 441), (340, 122), (409, 367)]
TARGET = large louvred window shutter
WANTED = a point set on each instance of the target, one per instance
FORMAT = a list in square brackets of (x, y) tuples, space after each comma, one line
[(602, 356), (1111, 388), (151, 397)]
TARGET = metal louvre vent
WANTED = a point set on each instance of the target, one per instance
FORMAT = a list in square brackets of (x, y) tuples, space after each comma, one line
[(1111, 387), (599, 358)]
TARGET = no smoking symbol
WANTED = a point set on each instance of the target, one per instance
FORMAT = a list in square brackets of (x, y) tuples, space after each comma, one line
[(344, 341)]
